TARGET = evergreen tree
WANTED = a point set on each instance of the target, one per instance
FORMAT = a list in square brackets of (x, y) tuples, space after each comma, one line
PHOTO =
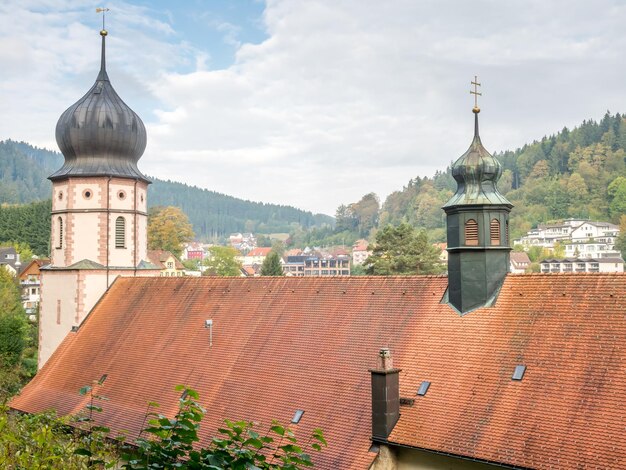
[(402, 250), (271, 265)]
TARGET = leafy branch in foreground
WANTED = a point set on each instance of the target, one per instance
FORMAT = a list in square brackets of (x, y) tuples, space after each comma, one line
[(170, 443)]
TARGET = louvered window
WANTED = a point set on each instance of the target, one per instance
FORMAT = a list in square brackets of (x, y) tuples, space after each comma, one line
[(60, 245), (471, 233), (120, 232), (495, 231)]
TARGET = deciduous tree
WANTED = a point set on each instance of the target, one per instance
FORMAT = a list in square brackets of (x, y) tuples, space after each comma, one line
[(222, 261), (168, 229)]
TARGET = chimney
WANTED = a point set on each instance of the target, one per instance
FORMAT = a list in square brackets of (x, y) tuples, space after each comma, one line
[(385, 396)]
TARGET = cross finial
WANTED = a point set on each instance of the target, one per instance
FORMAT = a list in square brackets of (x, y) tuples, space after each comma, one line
[(103, 11), (476, 94)]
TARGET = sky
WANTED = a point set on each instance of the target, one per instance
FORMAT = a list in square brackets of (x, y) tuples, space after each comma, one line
[(314, 103)]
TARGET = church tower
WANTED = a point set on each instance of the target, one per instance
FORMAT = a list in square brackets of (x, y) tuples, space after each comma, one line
[(478, 227), (99, 209)]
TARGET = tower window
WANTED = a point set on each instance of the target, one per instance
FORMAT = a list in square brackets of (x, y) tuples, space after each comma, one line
[(471, 233), (120, 232), (60, 223), (495, 231)]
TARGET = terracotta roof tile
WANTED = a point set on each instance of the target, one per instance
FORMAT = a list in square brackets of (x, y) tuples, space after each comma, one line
[(280, 344), (260, 251)]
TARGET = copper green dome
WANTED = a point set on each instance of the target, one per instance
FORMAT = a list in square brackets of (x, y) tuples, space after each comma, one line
[(477, 173), (100, 135)]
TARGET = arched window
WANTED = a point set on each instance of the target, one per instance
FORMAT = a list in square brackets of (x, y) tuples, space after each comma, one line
[(120, 232), (471, 233), (494, 230), (60, 224)]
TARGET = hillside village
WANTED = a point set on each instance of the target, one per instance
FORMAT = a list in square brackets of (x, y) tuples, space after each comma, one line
[(500, 353)]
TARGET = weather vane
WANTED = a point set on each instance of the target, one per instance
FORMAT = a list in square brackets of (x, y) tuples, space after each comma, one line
[(476, 94), (103, 11)]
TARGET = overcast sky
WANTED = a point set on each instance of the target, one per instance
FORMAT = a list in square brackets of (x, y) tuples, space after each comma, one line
[(315, 103)]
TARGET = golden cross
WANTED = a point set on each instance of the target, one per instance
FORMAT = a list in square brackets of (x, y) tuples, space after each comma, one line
[(103, 11), (475, 91)]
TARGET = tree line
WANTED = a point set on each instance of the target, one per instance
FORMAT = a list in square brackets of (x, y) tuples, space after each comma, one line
[(579, 173)]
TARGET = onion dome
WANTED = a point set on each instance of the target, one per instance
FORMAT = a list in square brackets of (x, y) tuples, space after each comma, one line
[(476, 173), (100, 135)]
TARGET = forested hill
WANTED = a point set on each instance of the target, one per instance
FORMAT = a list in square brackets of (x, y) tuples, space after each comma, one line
[(213, 214), (578, 173), (23, 178)]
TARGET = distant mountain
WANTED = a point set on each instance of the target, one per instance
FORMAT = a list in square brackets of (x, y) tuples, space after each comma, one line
[(23, 178)]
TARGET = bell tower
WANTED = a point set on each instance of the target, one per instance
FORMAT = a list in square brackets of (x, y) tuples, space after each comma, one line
[(478, 226), (99, 208)]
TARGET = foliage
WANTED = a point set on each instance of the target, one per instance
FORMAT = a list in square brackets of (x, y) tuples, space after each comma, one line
[(620, 243), (28, 226), (168, 229), (17, 339), (171, 440), (271, 265), (617, 197), (216, 215), (222, 261), (45, 441), (402, 250)]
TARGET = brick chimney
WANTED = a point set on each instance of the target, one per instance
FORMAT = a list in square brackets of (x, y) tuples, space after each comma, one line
[(385, 396)]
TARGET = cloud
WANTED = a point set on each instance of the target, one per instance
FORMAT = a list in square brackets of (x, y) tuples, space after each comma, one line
[(342, 98)]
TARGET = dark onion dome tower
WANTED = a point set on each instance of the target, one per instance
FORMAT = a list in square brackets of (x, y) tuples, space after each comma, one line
[(100, 135), (478, 228), (99, 217)]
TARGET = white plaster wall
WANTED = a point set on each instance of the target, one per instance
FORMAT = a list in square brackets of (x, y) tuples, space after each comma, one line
[(127, 187), (59, 189), (85, 234), (55, 287), (142, 238), (97, 187)]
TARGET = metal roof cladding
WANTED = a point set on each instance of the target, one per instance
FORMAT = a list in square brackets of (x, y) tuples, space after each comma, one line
[(100, 135)]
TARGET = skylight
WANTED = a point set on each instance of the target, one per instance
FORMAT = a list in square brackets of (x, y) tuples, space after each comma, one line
[(297, 416), (423, 388), (518, 374)]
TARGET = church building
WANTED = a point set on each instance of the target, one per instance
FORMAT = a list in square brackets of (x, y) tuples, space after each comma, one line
[(475, 370), (99, 209)]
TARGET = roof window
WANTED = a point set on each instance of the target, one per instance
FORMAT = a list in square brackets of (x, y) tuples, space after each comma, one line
[(518, 374), (423, 388), (297, 416)]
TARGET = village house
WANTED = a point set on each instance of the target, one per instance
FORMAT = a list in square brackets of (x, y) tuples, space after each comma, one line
[(169, 265), (30, 281)]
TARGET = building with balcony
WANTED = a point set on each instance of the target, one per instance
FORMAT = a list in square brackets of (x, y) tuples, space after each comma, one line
[(583, 265)]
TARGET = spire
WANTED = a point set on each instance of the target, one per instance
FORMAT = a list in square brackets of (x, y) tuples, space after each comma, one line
[(476, 109), (100, 135), (103, 70)]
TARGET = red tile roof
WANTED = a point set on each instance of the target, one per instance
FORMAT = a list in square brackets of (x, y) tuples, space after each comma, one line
[(159, 257), (567, 412), (281, 344), (260, 251)]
